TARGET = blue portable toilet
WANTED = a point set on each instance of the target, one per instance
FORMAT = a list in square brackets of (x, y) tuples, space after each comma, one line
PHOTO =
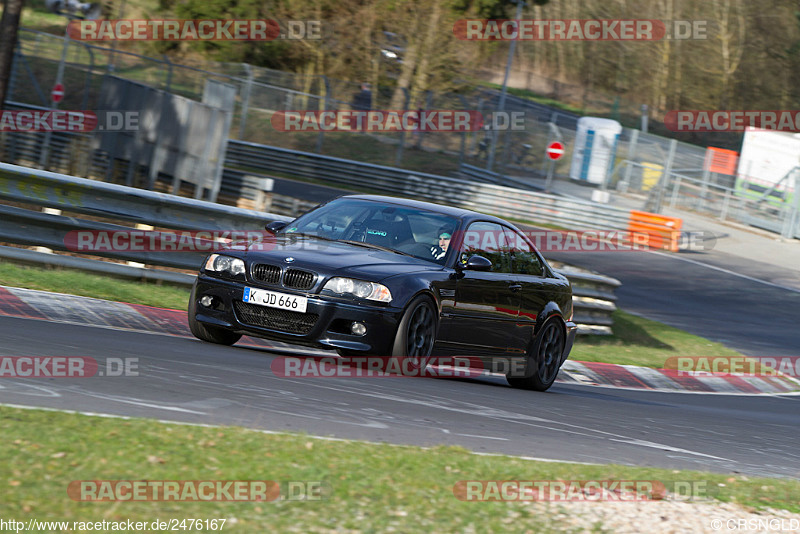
[(595, 149)]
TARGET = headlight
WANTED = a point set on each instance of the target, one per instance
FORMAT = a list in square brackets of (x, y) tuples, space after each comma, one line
[(359, 289), (225, 264)]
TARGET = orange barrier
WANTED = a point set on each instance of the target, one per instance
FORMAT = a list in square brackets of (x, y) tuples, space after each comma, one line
[(721, 160), (655, 231)]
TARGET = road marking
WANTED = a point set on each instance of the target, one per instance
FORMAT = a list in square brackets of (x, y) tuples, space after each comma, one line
[(519, 419), (643, 443), (282, 433), (473, 435), (727, 271), (137, 402)]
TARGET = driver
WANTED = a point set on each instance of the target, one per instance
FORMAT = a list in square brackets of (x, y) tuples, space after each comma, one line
[(438, 251)]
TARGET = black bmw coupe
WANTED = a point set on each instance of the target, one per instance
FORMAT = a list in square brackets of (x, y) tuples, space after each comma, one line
[(373, 275)]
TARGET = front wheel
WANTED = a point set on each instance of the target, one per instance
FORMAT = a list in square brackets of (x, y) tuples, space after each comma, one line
[(416, 334), (544, 357), (207, 332)]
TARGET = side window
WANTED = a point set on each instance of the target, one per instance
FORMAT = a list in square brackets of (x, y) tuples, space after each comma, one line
[(523, 259), (490, 241)]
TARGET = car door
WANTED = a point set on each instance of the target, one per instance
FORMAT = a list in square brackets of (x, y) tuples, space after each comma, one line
[(528, 272), (486, 304)]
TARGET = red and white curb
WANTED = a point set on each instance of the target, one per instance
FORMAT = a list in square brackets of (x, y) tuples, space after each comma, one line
[(634, 377), (71, 309)]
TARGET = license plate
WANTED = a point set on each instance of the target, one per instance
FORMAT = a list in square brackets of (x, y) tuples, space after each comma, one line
[(273, 299)]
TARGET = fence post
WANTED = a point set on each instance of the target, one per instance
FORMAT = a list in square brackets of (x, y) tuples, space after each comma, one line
[(790, 230), (504, 158), (701, 199), (398, 157), (675, 189), (321, 134), (248, 86), (462, 153), (726, 201), (88, 83), (428, 104), (475, 135), (12, 80), (631, 157), (44, 160), (663, 183), (169, 73)]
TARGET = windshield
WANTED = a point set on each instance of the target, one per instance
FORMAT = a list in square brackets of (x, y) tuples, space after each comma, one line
[(420, 233)]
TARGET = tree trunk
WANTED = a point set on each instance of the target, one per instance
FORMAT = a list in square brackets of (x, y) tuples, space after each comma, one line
[(420, 84), (8, 39)]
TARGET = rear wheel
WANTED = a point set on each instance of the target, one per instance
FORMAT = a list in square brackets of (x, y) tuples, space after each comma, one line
[(544, 357), (207, 332)]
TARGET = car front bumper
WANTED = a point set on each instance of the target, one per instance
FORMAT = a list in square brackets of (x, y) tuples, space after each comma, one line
[(326, 323)]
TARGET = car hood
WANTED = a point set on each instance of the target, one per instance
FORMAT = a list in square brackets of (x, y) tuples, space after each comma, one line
[(332, 257)]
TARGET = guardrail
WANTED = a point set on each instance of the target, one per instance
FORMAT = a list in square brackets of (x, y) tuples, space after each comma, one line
[(593, 300), (508, 202), (478, 174), (512, 202), (594, 294)]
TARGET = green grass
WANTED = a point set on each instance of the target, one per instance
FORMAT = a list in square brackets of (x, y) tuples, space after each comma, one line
[(349, 145), (640, 341), (373, 487), (75, 282), (530, 95)]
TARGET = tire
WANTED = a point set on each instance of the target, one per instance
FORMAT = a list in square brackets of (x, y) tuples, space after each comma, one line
[(544, 357), (209, 333), (416, 335)]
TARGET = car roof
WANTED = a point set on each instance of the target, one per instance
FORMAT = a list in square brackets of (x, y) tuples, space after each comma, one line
[(461, 213)]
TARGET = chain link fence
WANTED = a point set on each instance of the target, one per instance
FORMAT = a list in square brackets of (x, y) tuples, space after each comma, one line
[(262, 91), (661, 170)]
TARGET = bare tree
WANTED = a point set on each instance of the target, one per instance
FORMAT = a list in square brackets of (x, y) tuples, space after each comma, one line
[(730, 17), (9, 25)]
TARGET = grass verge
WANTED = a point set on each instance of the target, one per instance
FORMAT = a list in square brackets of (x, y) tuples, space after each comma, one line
[(74, 282), (640, 341), (373, 487)]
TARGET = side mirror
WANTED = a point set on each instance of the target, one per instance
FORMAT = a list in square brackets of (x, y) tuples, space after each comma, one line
[(275, 226), (478, 263)]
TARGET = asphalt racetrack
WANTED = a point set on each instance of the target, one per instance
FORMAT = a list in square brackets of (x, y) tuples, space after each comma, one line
[(184, 379)]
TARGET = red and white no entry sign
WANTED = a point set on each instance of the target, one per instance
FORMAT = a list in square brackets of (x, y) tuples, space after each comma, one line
[(555, 150), (57, 93)]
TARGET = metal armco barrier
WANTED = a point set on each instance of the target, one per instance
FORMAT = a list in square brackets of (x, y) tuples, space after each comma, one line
[(507, 202), (478, 174), (594, 294), (91, 197), (593, 300)]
